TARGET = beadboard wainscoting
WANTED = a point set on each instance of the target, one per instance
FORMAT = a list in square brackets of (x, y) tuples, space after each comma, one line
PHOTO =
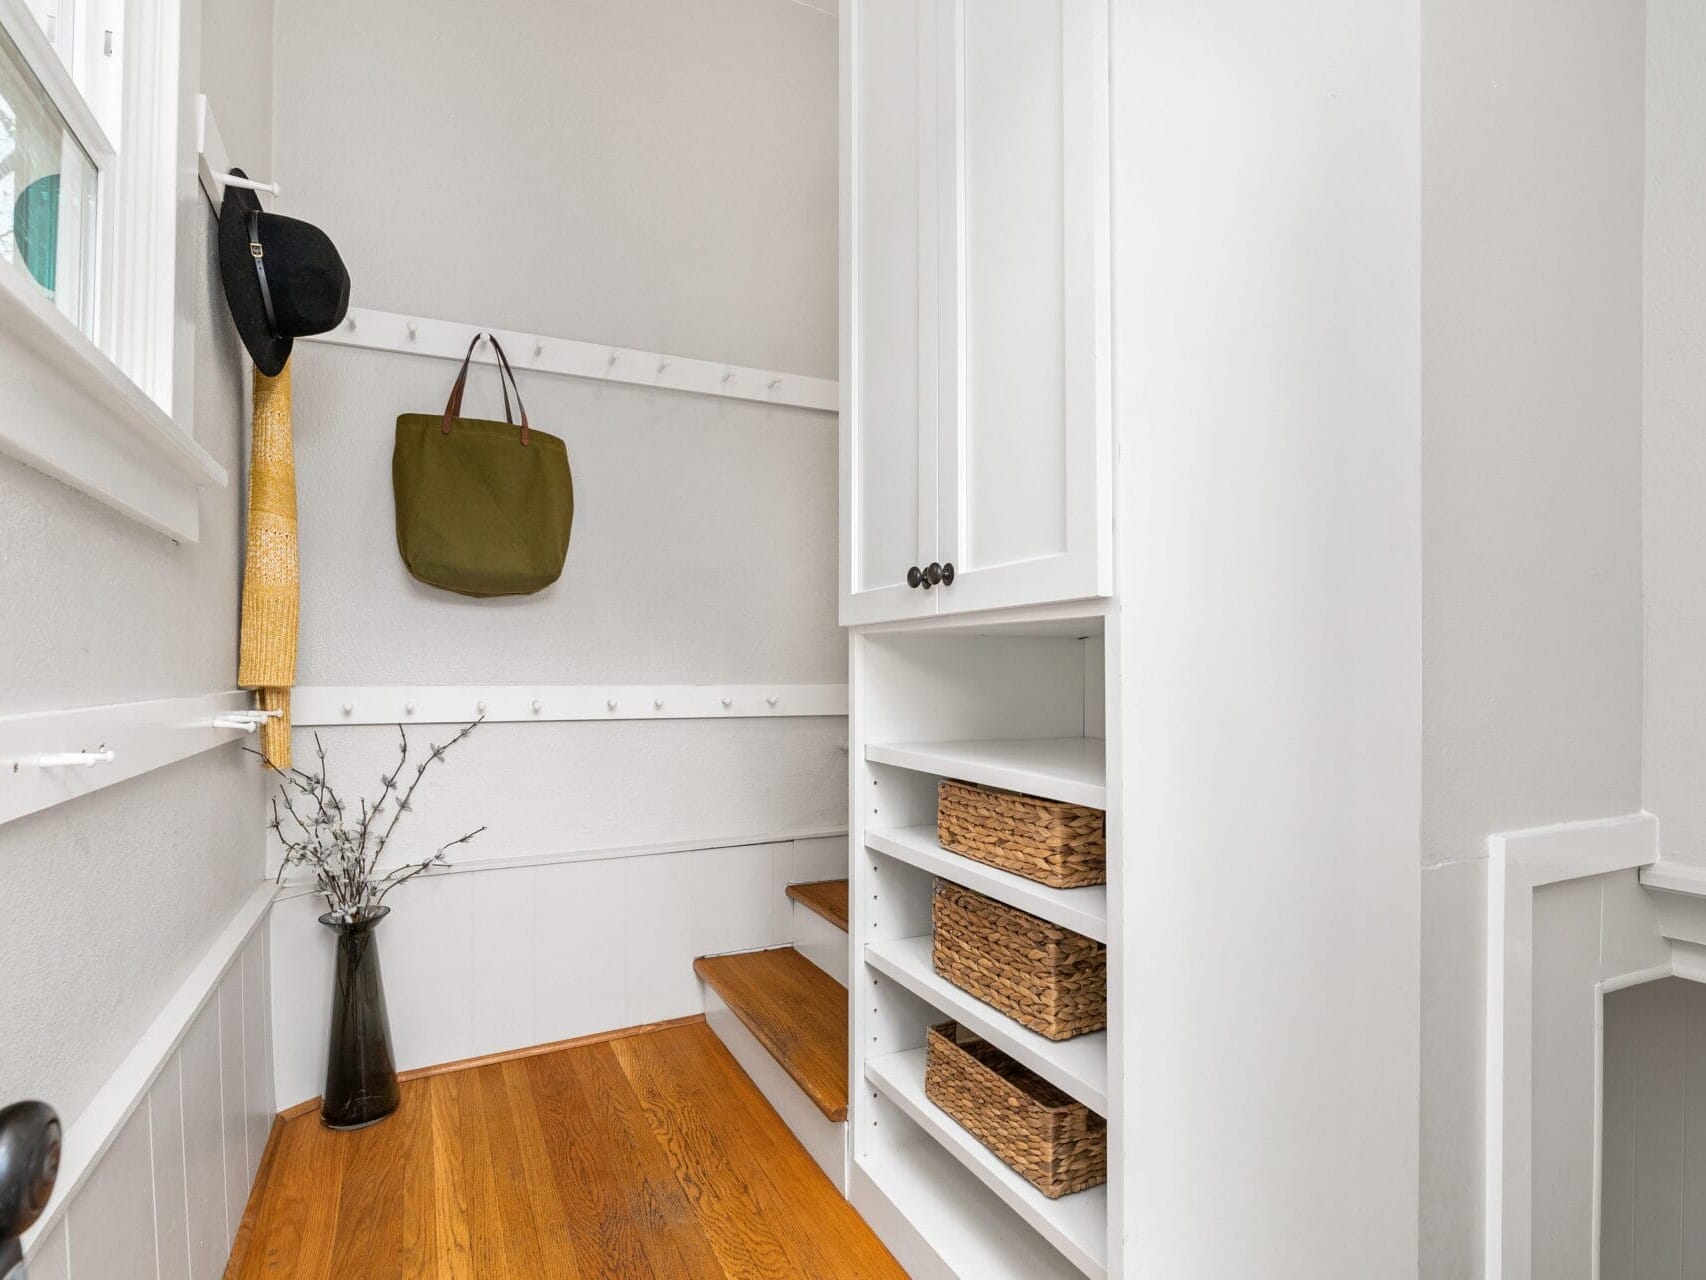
[(503, 955), (157, 1169)]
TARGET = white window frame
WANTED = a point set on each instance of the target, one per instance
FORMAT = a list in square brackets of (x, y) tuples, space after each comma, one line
[(112, 416)]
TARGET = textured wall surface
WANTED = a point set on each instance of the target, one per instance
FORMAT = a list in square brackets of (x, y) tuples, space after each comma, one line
[(658, 175), (703, 550), (112, 898), (1531, 396), (1674, 443)]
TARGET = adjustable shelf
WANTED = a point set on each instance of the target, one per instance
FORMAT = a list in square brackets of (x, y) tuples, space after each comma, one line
[(1083, 910), (1078, 1066), (1076, 1225), (1073, 770)]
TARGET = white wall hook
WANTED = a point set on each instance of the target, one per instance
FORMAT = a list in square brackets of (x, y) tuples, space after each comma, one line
[(247, 721), (480, 707), (658, 703), (414, 331), (538, 706), (610, 704), (349, 708), (662, 366), (771, 700), (73, 759), (350, 324), (610, 363), (408, 708), (538, 349), (248, 184), (728, 702)]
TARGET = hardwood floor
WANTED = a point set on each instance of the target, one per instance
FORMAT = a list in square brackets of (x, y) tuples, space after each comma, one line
[(649, 1156)]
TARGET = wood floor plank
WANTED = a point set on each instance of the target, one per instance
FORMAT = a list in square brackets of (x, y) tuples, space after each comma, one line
[(296, 1229), (795, 1010), (686, 1128), (826, 897), (704, 1107), (542, 1195), (605, 1161), (371, 1221), (628, 1211)]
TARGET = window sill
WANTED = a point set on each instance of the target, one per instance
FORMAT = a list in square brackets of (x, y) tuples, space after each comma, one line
[(68, 410)]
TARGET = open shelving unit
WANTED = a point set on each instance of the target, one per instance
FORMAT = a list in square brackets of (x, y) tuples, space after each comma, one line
[(1021, 711), (1078, 1066), (1076, 1225)]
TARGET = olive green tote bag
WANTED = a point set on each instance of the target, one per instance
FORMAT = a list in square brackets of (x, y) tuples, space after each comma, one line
[(483, 507)]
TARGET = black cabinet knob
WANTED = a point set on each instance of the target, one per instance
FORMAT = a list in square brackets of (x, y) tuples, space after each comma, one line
[(948, 574), (914, 576), (932, 575)]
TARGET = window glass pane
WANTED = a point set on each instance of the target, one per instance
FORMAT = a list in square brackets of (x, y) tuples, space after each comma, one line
[(47, 193)]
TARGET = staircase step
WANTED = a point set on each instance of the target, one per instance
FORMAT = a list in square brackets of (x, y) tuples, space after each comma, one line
[(795, 1010), (826, 897)]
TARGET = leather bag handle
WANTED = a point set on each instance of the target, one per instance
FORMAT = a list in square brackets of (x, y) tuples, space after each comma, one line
[(453, 406), (503, 370)]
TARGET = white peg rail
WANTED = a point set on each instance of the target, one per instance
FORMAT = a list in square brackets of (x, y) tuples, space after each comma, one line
[(572, 358), (49, 757), (317, 705)]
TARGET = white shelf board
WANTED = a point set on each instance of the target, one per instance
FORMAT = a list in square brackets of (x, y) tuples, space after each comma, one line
[(1083, 910), (1073, 770), (958, 1219), (1079, 1066), (1077, 1225)]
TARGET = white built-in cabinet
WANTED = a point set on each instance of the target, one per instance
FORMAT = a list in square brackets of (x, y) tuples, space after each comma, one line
[(975, 427)]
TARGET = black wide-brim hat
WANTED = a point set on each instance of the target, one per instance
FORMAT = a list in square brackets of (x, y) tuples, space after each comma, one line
[(283, 277)]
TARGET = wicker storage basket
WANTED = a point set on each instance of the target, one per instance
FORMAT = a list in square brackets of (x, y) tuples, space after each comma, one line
[(1050, 979), (1054, 1143), (1060, 845)]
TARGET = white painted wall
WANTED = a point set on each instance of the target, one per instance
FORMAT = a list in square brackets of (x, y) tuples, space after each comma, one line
[(499, 958), (1673, 446), (1531, 394), (1267, 300), (114, 898), (657, 175)]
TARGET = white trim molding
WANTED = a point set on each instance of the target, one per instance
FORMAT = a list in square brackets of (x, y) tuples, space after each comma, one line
[(1520, 863), (49, 757), (574, 358), (319, 705)]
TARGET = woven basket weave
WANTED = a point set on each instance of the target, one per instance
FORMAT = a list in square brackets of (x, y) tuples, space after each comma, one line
[(1061, 845), (1056, 1144), (1047, 978)]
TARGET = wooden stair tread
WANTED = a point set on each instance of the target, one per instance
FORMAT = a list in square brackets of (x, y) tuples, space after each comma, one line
[(826, 897), (795, 1010)]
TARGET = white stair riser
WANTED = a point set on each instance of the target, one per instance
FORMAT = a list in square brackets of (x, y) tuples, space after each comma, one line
[(820, 942), (825, 1139)]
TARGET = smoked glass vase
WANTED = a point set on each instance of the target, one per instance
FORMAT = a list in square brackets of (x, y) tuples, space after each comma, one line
[(361, 1076)]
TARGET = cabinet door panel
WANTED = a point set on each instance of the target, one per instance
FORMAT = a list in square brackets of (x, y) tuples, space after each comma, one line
[(889, 454), (1023, 510)]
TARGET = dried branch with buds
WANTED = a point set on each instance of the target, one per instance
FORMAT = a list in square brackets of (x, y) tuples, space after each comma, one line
[(344, 854)]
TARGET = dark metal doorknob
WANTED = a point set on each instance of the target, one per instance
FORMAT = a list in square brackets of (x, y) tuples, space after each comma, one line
[(948, 574), (914, 576), (932, 575)]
